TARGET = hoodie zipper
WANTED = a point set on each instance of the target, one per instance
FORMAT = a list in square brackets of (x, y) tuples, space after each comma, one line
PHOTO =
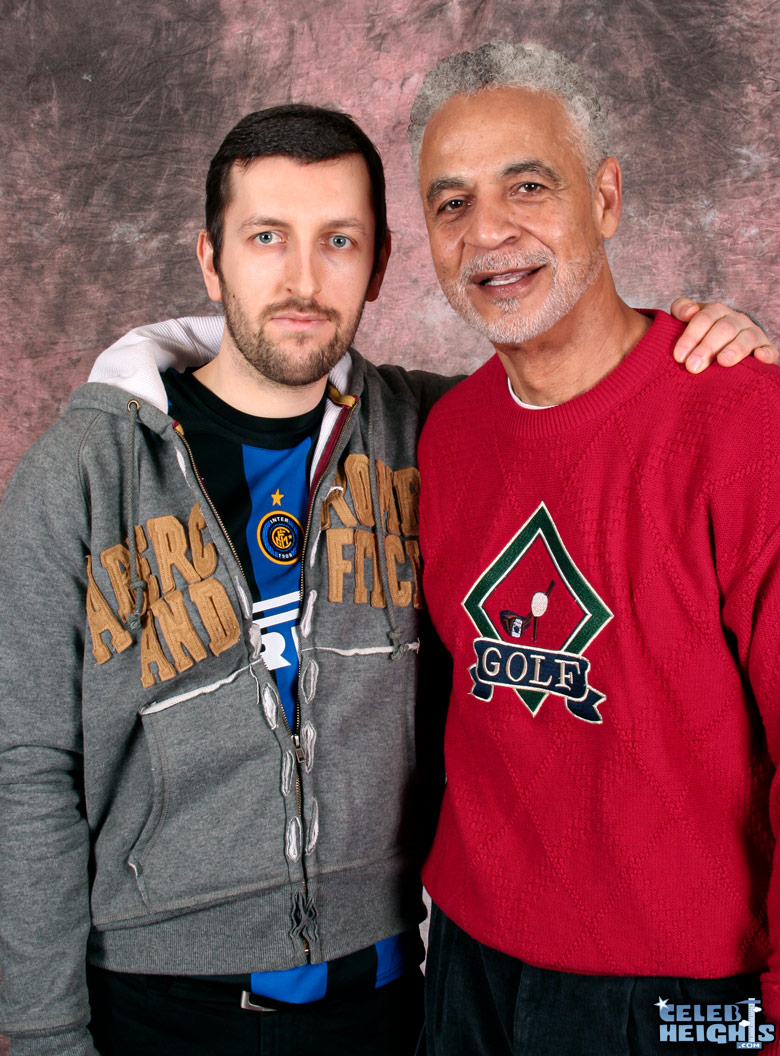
[(300, 754), (293, 734)]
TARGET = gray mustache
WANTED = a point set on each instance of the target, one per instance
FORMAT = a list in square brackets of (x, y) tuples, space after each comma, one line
[(504, 262)]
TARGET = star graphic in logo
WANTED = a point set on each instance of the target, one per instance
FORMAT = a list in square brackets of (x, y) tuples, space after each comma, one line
[(277, 497), (533, 631), (661, 1003)]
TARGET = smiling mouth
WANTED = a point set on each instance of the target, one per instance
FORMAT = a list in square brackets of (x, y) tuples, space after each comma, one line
[(506, 278)]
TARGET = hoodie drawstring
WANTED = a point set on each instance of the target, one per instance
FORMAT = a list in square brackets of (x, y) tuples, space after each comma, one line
[(137, 585)]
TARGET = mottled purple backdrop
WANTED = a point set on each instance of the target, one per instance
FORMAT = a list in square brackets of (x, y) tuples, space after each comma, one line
[(112, 108)]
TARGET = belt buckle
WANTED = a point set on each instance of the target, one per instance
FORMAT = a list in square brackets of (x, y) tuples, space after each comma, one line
[(250, 1005)]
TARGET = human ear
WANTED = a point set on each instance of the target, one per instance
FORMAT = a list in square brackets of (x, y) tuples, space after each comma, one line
[(608, 196), (205, 253)]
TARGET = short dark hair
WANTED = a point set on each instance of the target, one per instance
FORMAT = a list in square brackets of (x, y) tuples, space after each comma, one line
[(300, 131)]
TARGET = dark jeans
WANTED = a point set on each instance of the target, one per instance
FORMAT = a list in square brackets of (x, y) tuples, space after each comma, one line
[(147, 1015), (479, 1002)]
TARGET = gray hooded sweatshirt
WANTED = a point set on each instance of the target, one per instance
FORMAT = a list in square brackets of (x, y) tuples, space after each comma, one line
[(157, 813)]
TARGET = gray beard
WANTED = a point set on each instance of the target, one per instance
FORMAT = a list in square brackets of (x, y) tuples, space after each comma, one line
[(519, 325), (273, 362)]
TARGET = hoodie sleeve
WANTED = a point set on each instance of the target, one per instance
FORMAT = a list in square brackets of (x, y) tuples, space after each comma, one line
[(44, 843), (423, 387)]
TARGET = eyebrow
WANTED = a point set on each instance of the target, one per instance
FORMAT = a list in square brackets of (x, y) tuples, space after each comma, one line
[(445, 183), (351, 223), (532, 166)]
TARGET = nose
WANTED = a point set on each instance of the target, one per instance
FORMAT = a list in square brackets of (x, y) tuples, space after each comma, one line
[(302, 274), (491, 224)]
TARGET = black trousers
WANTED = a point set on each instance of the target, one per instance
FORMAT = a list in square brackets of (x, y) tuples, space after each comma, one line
[(147, 1015), (480, 1002)]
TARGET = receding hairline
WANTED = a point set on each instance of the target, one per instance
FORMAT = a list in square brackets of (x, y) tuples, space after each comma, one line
[(527, 66), (455, 180)]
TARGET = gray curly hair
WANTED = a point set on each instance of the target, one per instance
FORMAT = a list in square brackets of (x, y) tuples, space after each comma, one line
[(514, 65)]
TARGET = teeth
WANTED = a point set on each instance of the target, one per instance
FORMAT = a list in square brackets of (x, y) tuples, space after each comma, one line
[(504, 280)]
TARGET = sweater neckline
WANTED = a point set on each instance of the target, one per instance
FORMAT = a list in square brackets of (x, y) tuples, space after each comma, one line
[(644, 360)]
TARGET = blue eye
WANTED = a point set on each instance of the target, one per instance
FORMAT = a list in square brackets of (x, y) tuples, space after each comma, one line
[(265, 238), (339, 241)]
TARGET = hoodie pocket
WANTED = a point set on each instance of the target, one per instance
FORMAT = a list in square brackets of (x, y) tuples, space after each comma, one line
[(217, 822)]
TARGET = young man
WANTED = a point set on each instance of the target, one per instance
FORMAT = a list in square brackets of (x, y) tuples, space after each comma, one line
[(601, 550), (209, 645)]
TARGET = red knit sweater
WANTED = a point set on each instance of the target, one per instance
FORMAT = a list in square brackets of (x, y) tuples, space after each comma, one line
[(606, 576)]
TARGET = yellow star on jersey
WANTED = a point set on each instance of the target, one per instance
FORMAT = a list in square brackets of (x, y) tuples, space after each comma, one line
[(277, 497)]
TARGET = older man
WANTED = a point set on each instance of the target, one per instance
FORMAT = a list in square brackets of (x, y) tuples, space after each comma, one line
[(601, 543)]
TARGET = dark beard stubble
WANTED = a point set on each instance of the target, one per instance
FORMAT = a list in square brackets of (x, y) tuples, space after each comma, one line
[(273, 362)]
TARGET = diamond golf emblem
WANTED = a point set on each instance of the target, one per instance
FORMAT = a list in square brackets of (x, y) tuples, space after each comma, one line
[(536, 614)]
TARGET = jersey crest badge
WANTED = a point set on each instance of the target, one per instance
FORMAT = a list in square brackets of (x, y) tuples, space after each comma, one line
[(536, 614), (279, 535)]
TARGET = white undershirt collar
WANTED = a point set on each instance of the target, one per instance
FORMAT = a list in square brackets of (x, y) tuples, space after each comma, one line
[(527, 406)]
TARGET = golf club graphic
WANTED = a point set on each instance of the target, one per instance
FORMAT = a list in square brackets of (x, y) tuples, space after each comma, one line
[(517, 625)]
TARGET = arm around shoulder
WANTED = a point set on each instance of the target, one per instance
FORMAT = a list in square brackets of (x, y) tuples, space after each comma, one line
[(717, 332)]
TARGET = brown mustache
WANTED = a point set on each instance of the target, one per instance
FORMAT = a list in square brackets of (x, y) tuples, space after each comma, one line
[(297, 304)]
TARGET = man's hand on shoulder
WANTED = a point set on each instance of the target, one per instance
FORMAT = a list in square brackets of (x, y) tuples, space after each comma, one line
[(715, 331)]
